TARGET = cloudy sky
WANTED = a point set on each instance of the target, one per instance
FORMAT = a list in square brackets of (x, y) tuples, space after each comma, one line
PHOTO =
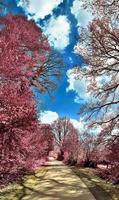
[(60, 21)]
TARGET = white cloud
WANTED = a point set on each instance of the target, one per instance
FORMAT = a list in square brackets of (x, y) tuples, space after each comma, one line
[(39, 8), (82, 126), (77, 125), (79, 86), (48, 116), (82, 16), (58, 29)]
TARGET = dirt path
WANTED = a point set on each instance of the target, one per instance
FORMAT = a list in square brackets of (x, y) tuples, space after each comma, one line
[(59, 183), (98, 187)]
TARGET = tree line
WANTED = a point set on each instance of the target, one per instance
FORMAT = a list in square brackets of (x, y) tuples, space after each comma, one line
[(28, 61), (99, 46)]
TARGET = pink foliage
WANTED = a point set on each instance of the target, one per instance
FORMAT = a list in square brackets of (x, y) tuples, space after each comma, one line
[(24, 143), (70, 146)]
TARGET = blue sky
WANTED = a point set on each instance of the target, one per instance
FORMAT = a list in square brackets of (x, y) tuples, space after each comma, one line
[(60, 21)]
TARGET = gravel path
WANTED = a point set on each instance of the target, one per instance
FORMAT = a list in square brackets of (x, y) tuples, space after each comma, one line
[(60, 183)]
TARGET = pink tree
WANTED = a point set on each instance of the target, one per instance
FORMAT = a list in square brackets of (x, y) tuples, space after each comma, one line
[(99, 45), (70, 146), (25, 61), (66, 138)]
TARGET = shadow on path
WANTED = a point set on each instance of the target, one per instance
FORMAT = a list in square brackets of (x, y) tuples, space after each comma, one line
[(57, 183), (98, 192)]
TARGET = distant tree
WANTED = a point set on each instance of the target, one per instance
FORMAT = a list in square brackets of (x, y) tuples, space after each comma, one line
[(66, 137), (70, 146), (48, 138), (61, 127)]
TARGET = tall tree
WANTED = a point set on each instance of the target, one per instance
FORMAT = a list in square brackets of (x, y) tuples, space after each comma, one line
[(25, 61), (99, 45), (23, 45)]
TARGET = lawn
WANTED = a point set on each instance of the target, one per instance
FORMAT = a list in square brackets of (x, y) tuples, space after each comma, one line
[(22, 189), (101, 189)]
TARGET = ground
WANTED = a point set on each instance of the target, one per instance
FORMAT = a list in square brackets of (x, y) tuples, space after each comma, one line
[(100, 188), (56, 181)]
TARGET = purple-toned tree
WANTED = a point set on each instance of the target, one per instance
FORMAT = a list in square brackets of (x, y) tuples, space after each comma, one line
[(66, 138), (25, 61), (99, 45)]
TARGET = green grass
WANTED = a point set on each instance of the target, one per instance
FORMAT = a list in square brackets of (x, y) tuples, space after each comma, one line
[(22, 189), (101, 189)]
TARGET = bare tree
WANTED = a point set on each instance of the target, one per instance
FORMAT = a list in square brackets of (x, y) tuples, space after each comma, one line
[(99, 45), (61, 127), (66, 137)]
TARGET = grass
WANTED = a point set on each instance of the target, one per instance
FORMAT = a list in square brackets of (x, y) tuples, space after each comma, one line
[(101, 189), (22, 189)]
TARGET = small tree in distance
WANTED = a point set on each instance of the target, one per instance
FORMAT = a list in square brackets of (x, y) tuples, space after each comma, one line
[(66, 138)]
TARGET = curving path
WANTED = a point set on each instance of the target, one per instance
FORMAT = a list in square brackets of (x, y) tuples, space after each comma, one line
[(60, 183)]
